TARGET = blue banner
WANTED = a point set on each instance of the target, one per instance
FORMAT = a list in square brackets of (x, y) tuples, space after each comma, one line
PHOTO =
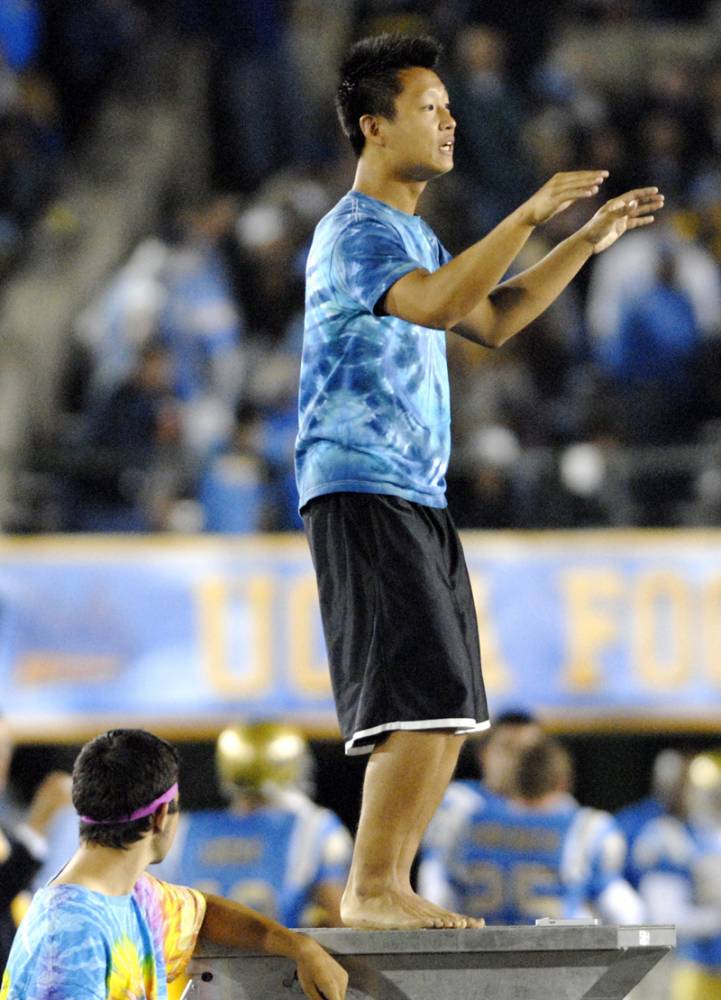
[(185, 635)]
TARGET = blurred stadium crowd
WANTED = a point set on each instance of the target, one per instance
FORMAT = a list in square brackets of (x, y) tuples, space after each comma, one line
[(179, 397), (57, 60)]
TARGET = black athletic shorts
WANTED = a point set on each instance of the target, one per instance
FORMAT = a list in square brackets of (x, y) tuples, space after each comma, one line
[(398, 616)]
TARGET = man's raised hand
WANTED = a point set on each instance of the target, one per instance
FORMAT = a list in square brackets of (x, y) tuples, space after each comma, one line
[(560, 192), (617, 216)]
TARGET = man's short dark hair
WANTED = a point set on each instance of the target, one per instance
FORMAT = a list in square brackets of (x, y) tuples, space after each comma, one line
[(369, 78), (115, 774), (544, 766)]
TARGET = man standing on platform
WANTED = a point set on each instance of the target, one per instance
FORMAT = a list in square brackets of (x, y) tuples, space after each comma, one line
[(374, 441)]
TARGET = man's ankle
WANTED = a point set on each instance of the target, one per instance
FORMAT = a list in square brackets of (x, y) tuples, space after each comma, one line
[(369, 887)]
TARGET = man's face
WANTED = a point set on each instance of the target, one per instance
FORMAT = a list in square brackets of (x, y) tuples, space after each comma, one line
[(420, 138)]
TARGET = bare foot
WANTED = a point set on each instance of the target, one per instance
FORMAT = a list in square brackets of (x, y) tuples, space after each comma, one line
[(449, 918), (388, 910), (395, 910)]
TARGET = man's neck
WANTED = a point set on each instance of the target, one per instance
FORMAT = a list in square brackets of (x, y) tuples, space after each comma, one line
[(109, 870), (243, 805), (374, 182), (545, 803)]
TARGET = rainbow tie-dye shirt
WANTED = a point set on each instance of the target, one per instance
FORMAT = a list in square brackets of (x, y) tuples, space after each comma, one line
[(76, 944)]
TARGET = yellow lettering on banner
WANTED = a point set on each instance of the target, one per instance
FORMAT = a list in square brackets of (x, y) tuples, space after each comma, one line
[(216, 597), (310, 677), (592, 617), (496, 675), (662, 630), (66, 668), (712, 627)]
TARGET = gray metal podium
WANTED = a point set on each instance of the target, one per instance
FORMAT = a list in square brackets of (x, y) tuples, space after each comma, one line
[(557, 962)]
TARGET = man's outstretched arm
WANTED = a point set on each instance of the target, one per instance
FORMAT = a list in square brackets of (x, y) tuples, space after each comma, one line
[(441, 299), (238, 926), (517, 302)]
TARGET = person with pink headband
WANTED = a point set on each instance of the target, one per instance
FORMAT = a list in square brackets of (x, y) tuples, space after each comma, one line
[(167, 796), (103, 926)]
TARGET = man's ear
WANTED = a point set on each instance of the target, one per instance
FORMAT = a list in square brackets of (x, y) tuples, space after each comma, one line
[(160, 818), (370, 127)]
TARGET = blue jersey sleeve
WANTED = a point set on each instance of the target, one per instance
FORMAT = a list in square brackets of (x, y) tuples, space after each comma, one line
[(608, 856), (335, 851), (664, 845), (368, 258)]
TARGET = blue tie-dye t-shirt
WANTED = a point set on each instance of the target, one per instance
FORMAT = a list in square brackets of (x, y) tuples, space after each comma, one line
[(374, 398)]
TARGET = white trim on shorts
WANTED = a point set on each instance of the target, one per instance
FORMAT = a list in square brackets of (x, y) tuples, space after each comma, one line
[(460, 727)]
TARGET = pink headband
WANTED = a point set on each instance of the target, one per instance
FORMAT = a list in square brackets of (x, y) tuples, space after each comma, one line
[(139, 813)]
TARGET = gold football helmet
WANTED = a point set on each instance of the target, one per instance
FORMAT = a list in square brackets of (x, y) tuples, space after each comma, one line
[(703, 789), (254, 755)]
